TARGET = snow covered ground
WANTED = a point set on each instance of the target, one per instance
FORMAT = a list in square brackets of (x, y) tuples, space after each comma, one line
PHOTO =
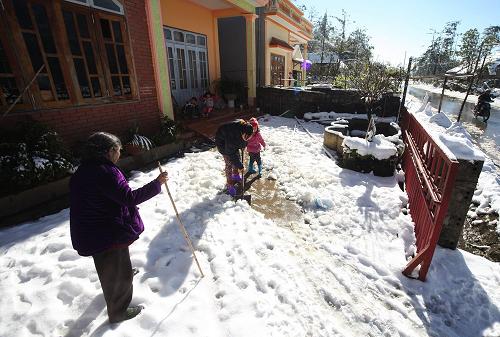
[(334, 272)]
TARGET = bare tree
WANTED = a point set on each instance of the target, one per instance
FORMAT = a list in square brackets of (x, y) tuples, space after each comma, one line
[(371, 80)]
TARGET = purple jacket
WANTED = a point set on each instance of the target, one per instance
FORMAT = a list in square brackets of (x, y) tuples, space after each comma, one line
[(103, 212)]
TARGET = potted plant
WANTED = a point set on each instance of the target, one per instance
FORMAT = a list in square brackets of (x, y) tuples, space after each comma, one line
[(230, 89), (137, 143)]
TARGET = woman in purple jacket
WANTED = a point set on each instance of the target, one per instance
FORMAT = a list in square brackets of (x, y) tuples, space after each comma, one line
[(104, 219)]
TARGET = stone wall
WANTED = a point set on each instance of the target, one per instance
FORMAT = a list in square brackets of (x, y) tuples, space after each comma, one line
[(461, 197)]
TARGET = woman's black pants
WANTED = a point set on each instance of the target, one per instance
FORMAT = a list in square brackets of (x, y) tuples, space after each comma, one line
[(115, 274)]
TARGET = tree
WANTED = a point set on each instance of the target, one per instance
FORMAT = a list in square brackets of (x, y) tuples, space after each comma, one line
[(448, 41), (358, 44), (469, 48), (491, 37), (440, 54), (323, 44), (372, 80)]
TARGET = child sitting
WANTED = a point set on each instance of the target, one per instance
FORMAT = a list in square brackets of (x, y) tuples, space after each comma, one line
[(255, 144), (208, 103), (190, 110)]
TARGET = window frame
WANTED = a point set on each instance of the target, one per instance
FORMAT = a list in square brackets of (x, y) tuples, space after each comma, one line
[(24, 62), (96, 48), (27, 102), (22, 67), (98, 15)]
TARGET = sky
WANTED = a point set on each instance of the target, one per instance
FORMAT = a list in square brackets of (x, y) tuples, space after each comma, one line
[(333, 269), (399, 27)]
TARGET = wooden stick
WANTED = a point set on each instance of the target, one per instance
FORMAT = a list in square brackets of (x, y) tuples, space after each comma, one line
[(243, 174), (181, 225)]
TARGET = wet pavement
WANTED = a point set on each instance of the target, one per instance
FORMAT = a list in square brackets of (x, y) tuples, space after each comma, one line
[(268, 200)]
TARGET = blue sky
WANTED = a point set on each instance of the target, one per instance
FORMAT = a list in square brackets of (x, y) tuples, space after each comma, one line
[(399, 26)]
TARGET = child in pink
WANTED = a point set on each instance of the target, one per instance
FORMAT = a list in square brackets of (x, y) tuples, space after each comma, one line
[(255, 144)]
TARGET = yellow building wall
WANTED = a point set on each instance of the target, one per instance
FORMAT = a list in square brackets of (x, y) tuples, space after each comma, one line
[(188, 16), (279, 32)]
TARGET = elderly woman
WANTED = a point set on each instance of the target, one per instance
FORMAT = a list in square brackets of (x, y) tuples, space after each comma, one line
[(104, 219)]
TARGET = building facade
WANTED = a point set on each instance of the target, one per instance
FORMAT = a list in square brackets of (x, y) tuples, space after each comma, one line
[(78, 66), (82, 66)]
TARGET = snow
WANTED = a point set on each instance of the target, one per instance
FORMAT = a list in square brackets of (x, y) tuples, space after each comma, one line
[(340, 116), (335, 271), (379, 147), (487, 193), (452, 138)]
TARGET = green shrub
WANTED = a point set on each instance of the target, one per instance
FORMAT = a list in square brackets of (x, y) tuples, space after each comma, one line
[(30, 155), (168, 132)]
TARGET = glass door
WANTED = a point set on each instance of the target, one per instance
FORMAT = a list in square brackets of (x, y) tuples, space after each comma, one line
[(187, 62)]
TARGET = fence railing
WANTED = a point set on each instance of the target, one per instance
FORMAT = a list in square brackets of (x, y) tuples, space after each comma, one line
[(429, 180)]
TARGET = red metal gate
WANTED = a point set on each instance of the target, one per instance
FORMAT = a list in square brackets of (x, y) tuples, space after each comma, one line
[(429, 179)]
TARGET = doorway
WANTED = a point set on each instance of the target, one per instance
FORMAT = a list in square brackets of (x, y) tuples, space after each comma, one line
[(187, 62)]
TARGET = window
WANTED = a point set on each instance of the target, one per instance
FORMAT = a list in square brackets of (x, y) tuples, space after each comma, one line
[(277, 69), (173, 83), (113, 6), (38, 36), (9, 90), (190, 39), (178, 36), (203, 69), (82, 48), (201, 40), (168, 34), (117, 57), (181, 59), (79, 48), (193, 69)]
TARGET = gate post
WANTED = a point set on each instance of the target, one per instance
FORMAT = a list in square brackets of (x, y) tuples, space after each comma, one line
[(461, 197)]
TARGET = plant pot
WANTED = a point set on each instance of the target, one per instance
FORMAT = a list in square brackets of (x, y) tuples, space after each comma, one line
[(384, 168)]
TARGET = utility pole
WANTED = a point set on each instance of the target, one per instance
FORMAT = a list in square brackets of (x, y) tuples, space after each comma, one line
[(407, 79)]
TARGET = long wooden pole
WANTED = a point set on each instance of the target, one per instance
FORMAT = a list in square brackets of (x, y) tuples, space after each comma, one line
[(23, 92), (181, 225)]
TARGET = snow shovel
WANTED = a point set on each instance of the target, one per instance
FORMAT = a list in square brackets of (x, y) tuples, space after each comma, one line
[(248, 197), (181, 225)]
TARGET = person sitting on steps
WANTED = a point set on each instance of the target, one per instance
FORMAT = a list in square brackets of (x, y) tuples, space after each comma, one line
[(190, 110), (208, 104)]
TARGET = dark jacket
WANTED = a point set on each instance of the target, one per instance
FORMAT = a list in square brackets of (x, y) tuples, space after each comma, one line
[(103, 212), (485, 97), (229, 141)]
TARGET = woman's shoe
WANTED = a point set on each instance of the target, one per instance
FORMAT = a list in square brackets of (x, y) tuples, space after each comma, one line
[(130, 313)]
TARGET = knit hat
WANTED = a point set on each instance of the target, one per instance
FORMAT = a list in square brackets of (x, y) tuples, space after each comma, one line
[(254, 122)]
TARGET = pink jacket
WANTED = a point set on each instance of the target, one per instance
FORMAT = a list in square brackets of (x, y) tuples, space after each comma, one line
[(255, 142)]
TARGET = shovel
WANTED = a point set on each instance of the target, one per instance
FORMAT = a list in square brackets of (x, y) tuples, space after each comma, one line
[(248, 197)]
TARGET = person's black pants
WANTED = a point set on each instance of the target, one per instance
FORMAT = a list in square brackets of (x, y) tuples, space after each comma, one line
[(115, 274), (255, 157)]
